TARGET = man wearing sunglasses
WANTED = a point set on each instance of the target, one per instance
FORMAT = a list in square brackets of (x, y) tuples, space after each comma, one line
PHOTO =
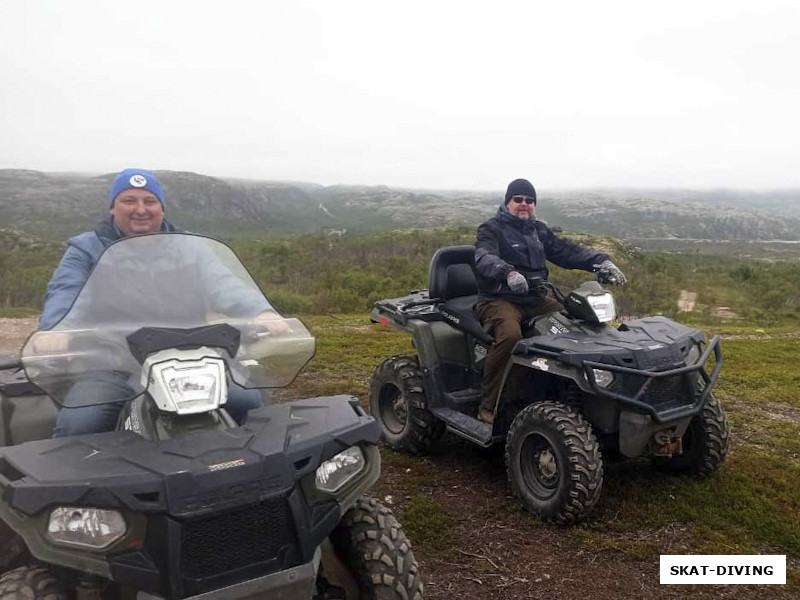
[(511, 254)]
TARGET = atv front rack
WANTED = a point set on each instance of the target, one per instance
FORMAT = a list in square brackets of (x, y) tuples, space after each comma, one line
[(635, 401)]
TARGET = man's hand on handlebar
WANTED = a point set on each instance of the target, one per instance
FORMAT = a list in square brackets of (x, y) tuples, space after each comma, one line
[(517, 283), (50, 342), (608, 272), (272, 323)]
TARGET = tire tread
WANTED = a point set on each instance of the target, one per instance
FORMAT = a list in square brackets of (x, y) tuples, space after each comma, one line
[(31, 582), (423, 428), (584, 471), (374, 546)]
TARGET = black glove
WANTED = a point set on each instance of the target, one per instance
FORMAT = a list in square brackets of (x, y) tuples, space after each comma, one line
[(517, 282), (610, 273)]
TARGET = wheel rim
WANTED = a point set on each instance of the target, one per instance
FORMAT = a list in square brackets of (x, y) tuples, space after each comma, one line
[(539, 466), (393, 409)]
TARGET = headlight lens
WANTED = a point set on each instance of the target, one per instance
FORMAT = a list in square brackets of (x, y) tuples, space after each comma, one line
[(86, 527), (334, 473), (693, 355), (194, 388), (197, 387), (603, 377), (603, 306)]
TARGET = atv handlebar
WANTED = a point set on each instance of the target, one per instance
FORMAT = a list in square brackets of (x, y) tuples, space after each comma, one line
[(605, 277), (541, 285), (14, 363), (537, 283)]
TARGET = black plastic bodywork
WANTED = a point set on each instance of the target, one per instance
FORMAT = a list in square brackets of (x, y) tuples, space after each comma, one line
[(26, 412), (203, 511), (148, 340), (13, 382), (648, 358)]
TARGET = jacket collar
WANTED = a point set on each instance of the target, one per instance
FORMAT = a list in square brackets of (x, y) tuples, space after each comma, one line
[(504, 216)]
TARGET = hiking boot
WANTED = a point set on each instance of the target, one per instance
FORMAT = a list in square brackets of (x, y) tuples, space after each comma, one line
[(486, 416)]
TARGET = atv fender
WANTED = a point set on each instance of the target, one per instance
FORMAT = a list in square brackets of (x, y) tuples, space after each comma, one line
[(435, 341)]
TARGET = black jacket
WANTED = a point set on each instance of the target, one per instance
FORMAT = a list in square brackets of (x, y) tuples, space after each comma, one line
[(506, 243)]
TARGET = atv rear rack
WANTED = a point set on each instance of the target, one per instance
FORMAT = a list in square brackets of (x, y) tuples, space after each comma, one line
[(635, 402), (417, 305)]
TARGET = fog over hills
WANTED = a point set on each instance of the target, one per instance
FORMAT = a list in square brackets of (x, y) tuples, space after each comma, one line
[(57, 205)]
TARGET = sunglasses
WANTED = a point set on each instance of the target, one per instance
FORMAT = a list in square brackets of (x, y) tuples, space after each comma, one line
[(521, 199)]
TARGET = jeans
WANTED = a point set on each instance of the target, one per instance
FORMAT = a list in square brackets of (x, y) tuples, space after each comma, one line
[(102, 412)]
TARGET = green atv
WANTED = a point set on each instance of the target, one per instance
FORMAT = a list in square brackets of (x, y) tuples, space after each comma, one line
[(574, 386)]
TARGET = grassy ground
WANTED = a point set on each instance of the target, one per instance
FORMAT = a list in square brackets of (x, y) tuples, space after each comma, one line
[(458, 510), (17, 312)]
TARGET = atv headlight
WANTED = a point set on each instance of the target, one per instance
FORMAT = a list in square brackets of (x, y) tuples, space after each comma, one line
[(85, 527), (603, 307), (189, 386), (603, 377), (334, 473), (693, 355)]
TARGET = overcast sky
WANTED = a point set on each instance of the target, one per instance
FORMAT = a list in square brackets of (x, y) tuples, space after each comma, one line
[(433, 94)]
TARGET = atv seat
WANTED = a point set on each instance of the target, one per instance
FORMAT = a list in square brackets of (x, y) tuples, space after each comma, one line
[(452, 279)]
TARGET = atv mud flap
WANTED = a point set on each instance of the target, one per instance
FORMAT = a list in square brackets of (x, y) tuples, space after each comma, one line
[(636, 403), (296, 583)]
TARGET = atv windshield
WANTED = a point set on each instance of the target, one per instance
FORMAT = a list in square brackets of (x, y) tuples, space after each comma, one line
[(167, 280)]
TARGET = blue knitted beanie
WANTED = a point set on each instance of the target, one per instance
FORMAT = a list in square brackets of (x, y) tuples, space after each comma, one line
[(138, 179)]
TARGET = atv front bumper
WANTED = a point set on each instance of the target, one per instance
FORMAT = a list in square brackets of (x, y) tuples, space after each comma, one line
[(651, 366), (653, 378), (296, 583)]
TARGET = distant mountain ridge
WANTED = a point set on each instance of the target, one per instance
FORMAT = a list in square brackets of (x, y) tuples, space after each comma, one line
[(57, 205)]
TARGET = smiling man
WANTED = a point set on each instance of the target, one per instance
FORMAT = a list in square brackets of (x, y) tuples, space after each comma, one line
[(136, 208), (511, 254), (137, 202)]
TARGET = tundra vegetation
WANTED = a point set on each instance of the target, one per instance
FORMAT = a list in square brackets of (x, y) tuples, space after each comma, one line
[(320, 274), (455, 503)]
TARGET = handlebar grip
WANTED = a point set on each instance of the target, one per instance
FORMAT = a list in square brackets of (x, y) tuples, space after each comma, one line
[(10, 364)]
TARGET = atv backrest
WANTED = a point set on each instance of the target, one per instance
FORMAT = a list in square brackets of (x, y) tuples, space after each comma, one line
[(452, 273)]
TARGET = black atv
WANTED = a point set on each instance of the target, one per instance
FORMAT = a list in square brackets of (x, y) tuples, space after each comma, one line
[(180, 501), (573, 385)]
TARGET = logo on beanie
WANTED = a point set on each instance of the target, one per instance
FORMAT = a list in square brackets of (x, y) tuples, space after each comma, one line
[(138, 181)]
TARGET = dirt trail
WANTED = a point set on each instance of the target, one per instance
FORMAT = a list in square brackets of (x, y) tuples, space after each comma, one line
[(687, 300), (760, 336), (14, 332)]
